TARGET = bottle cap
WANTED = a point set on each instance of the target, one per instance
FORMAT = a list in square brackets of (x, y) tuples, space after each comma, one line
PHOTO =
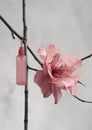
[(21, 50)]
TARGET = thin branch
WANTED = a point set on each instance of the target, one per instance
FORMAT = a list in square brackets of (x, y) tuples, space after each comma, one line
[(84, 101), (89, 56), (35, 57), (81, 83), (12, 35), (10, 28), (25, 46), (32, 68), (13, 32)]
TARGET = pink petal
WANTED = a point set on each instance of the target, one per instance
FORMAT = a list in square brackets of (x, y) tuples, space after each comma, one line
[(43, 83), (76, 75), (52, 50), (42, 52), (45, 69), (70, 77), (56, 93), (54, 65), (57, 61), (58, 82), (72, 60), (72, 90), (68, 81)]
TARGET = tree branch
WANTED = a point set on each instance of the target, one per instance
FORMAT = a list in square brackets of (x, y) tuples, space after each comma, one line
[(10, 28), (81, 83), (89, 56), (35, 57), (13, 32), (25, 46), (12, 35), (32, 68), (84, 101)]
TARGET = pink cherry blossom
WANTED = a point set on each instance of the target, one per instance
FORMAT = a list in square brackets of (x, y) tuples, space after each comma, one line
[(59, 72)]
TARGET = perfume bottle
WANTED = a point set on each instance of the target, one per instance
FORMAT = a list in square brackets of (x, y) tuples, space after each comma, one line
[(21, 66)]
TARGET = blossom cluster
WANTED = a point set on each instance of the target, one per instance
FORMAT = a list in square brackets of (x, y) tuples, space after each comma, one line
[(59, 72)]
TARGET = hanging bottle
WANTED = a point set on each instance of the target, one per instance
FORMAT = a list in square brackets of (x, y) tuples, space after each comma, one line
[(21, 66)]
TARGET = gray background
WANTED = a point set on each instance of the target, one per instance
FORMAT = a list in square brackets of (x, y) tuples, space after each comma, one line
[(67, 23)]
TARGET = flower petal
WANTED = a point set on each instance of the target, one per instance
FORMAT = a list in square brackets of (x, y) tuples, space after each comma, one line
[(45, 69), (42, 52), (72, 90), (43, 83), (76, 75), (56, 93), (68, 81), (52, 50), (55, 65), (72, 60), (57, 61), (58, 82)]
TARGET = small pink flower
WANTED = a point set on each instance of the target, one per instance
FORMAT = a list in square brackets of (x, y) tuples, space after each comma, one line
[(59, 72)]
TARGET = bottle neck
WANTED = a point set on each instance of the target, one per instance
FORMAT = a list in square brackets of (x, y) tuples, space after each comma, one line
[(21, 50)]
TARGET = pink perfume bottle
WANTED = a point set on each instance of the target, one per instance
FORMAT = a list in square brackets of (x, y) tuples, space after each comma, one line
[(21, 66)]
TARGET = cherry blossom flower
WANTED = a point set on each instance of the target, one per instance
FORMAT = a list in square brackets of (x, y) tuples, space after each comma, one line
[(59, 72)]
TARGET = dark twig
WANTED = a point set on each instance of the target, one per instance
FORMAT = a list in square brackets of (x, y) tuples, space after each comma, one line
[(82, 100), (10, 28), (81, 83), (25, 46), (13, 32), (12, 35), (89, 56), (32, 68), (35, 57)]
